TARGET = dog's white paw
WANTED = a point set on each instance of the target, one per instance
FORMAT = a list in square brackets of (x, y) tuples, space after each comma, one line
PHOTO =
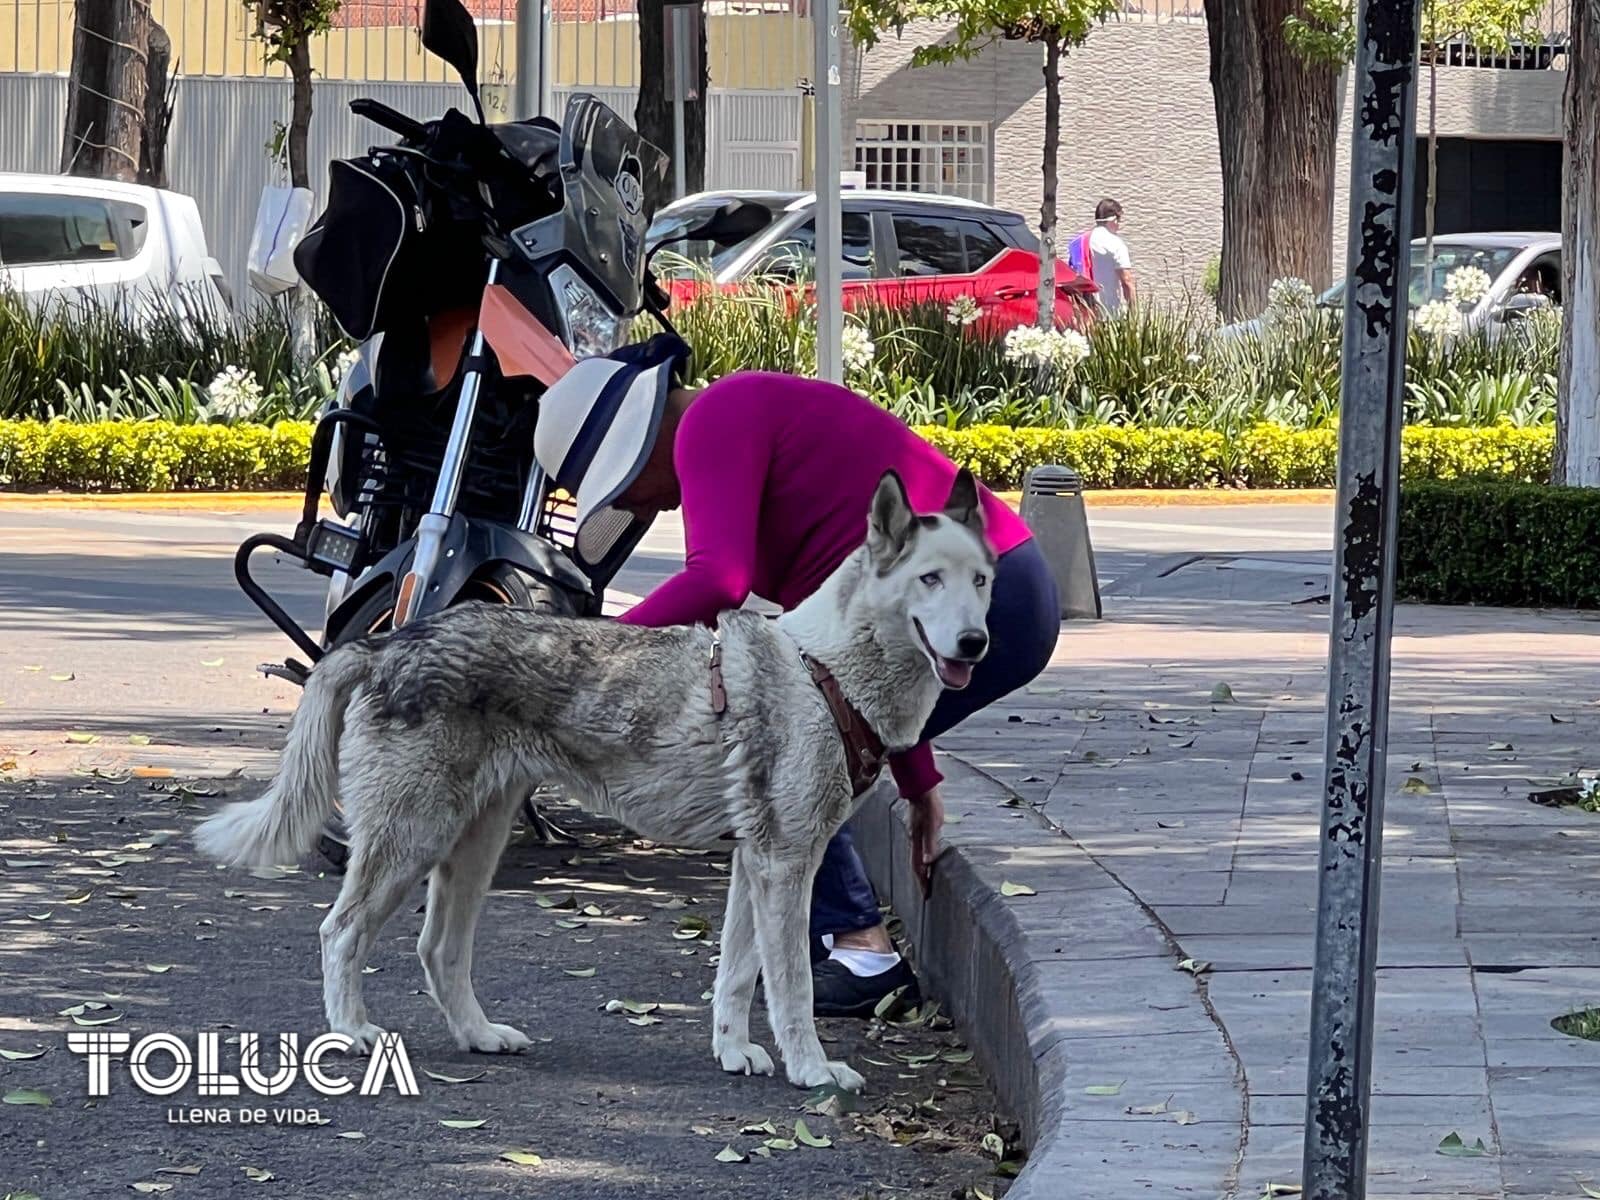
[(745, 1058), (829, 1074), (365, 1037), (493, 1039)]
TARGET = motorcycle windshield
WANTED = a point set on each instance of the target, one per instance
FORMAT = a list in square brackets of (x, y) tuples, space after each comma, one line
[(608, 173)]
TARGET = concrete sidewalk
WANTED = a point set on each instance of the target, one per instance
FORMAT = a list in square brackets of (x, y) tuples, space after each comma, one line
[(1156, 825)]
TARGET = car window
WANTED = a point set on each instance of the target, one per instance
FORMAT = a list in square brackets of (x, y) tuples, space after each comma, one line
[(1542, 278), (1446, 259), (37, 229), (929, 245), (795, 254), (983, 244), (683, 258), (135, 226)]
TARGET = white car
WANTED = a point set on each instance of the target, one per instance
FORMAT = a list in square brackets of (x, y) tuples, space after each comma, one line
[(1524, 272), (65, 237)]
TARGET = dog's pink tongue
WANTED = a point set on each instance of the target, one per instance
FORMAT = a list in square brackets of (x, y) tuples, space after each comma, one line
[(955, 675)]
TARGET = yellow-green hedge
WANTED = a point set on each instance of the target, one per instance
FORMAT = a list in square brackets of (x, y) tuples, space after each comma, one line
[(1264, 456), (154, 456)]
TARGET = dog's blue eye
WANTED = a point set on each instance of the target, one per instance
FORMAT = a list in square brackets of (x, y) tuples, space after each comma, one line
[(931, 579), (980, 580)]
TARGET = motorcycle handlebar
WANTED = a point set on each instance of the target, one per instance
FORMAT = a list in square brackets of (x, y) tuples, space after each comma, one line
[(395, 122)]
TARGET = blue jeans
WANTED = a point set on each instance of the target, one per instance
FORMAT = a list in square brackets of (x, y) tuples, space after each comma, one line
[(1024, 618)]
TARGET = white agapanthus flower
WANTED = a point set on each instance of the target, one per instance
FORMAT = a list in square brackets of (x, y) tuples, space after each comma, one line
[(963, 311), (343, 364), (858, 348), (1286, 297), (1438, 319), (1060, 350), (1465, 286), (234, 395)]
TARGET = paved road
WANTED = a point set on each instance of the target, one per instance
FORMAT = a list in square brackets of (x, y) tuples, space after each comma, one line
[(137, 604), (126, 672), (125, 647)]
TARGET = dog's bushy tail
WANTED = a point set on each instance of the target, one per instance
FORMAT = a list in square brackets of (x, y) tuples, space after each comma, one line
[(281, 824)]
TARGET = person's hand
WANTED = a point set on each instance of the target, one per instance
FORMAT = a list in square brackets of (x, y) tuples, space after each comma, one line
[(927, 819)]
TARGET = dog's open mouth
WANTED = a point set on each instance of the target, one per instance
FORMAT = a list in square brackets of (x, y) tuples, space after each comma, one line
[(954, 673)]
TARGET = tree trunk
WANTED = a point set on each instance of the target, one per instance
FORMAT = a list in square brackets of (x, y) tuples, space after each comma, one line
[(1578, 413), (300, 114), (1047, 210), (653, 115), (1430, 206), (158, 101), (105, 95), (303, 304), (1277, 117)]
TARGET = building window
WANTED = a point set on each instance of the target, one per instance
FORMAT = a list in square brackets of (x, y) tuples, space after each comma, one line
[(950, 160)]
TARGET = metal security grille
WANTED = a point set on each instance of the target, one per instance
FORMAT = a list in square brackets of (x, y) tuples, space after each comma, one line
[(947, 159)]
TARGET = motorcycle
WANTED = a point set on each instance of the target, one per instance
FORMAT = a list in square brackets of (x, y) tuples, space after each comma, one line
[(473, 264)]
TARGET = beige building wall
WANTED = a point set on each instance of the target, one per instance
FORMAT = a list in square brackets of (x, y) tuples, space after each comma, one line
[(1138, 124), (213, 37)]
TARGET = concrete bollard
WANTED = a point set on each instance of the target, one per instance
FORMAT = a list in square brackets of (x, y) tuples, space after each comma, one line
[(1052, 506)]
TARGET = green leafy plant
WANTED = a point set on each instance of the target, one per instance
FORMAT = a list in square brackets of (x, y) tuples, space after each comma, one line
[(1500, 543)]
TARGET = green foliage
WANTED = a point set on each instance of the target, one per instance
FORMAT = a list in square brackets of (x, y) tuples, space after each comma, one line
[(973, 25), (90, 360), (153, 456), (1261, 456), (1151, 367), (1325, 30), (284, 24), (1500, 543), (159, 456), (1211, 279)]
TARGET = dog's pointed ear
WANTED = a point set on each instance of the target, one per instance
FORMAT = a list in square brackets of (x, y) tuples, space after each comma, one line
[(963, 505), (891, 521)]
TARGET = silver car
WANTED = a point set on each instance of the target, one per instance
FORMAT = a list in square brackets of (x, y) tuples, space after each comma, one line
[(1524, 270)]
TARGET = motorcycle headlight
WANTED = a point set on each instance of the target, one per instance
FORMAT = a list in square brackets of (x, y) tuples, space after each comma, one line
[(591, 327)]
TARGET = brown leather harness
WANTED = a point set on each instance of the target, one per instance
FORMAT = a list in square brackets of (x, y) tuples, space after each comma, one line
[(864, 752)]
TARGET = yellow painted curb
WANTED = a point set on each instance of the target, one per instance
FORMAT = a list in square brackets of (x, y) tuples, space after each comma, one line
[(146, 501), (240, 501)]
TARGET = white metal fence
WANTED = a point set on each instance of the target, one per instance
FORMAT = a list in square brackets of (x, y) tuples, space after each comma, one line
[(217, 147)]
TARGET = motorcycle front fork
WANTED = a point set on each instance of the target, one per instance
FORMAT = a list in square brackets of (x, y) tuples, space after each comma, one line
[(435, 523)]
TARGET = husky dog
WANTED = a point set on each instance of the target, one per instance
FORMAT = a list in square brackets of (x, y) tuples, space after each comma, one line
[(432, 735)]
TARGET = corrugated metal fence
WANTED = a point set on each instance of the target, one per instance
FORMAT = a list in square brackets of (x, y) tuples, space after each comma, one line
[(217, 148)]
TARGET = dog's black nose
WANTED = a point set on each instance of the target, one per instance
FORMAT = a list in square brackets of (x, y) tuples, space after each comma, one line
[(972, 643)]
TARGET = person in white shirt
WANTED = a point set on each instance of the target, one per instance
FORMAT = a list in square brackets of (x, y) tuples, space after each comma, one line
[(1113, 266)]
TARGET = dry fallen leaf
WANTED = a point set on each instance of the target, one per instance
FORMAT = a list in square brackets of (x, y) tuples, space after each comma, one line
[(1016, 889), (521, 1158)]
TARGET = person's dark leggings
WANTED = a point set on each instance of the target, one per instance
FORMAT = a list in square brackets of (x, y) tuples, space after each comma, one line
[(1024, 618)]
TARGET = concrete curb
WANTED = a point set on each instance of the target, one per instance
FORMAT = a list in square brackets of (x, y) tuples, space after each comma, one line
[(1075, 987)]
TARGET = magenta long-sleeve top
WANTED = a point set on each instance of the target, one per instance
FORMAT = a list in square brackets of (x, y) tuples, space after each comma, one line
[(777, 475)]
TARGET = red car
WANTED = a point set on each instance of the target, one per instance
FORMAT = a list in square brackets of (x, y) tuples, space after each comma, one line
[(900, 248)]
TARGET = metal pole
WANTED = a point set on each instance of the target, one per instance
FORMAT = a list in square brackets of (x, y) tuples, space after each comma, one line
[(825, 176), (1339, 1086), (530, 95), (680, 92)]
